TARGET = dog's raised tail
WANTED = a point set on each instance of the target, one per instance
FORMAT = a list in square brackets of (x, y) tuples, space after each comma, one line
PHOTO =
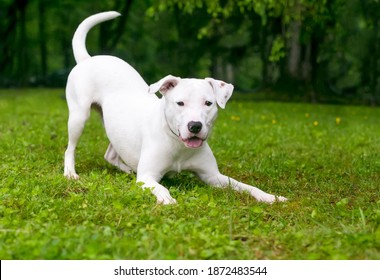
[(79, 39)]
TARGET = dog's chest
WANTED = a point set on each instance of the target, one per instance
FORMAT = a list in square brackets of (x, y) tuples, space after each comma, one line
[(182, 160)]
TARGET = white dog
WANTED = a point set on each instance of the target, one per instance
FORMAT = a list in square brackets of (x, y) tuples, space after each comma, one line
[(149, 135)]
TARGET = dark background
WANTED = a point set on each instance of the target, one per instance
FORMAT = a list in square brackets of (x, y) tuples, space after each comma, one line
[(297, 50)]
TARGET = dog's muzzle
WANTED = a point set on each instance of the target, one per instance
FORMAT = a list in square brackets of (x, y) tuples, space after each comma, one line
[(193, 141)]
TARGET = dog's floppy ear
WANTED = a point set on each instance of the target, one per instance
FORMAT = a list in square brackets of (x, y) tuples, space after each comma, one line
[(222, 91), (164, 85)]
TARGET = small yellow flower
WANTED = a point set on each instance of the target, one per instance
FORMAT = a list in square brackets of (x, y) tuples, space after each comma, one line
[(315, 123), (274, 122), (235, 118), (337, 120)]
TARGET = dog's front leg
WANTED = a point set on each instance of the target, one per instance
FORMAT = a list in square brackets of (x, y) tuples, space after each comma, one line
[(162, 193), (220, 180)]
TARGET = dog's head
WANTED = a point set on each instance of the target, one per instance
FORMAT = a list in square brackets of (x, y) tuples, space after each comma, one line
[(191, 106)]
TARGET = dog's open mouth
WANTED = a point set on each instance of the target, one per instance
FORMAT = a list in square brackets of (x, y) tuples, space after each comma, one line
[(193, 142)]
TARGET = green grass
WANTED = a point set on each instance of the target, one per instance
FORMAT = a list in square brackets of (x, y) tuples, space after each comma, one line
[(325, 159)]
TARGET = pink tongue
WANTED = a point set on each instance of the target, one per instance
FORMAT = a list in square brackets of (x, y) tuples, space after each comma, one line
[(193, 142)]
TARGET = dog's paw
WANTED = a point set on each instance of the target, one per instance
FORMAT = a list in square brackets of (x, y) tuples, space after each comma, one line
[(281, 199), (269, 198), (71, 175), (165, 198)]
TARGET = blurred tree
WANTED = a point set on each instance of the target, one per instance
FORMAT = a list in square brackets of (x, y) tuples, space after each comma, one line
[(42, 37), (14, 60), (289, 34), (299, 41), (111, 32), (369, 69), (328, 49)]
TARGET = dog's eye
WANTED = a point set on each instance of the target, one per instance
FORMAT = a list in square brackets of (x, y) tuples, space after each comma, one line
[(208, 103), (180, 103)]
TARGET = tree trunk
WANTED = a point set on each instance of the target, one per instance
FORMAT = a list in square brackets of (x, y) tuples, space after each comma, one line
[(108, 37), (374, 66), (42, 38), (22, 63), (315, 75), (306, 65), (264, 55), (13, 44), (294, 56), (7, 33)]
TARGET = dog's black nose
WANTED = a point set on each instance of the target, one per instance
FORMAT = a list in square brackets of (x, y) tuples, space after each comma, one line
[(194, 127)]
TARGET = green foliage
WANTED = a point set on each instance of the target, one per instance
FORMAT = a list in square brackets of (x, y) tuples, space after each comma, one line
[(329, 49), (323, 44), (325, 159), (278, 50)]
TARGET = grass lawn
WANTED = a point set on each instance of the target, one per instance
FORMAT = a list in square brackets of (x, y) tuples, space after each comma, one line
[(325, 159)]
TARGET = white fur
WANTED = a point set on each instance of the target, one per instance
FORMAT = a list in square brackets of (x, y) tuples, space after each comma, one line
[(148, 135)]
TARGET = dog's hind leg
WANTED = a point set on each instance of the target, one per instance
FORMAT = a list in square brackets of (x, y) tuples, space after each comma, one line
[(77, 120), (111, 155), (113, 158)]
